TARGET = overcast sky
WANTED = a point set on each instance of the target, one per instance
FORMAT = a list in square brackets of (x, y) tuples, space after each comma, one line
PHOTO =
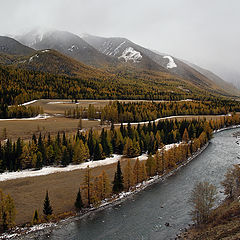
[(205, 32)]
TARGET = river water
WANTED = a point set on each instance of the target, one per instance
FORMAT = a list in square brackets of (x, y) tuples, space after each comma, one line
[(143, 216)]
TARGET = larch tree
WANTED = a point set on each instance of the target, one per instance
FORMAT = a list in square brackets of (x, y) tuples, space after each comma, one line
[(231, 182), (202, 200), (150, 166), (137, 171), (88, 185), (128, 176), (185, 137)]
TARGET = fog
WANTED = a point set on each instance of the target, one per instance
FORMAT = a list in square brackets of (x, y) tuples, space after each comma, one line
[(203, 32)]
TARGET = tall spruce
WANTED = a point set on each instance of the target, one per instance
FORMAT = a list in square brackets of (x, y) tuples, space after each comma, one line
[(118, 180), (78, 203), (47, 208)]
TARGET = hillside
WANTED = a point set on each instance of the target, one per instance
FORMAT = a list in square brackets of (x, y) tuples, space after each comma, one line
[(219, 81), (12, 47), (224, 224), (68, 44)]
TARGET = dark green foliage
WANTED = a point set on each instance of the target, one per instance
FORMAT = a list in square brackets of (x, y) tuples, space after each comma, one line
[(47, 209), (118, 180), (78, 203)]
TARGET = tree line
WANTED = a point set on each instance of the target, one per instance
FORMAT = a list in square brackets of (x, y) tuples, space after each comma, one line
[(118, 112), (16, 111)]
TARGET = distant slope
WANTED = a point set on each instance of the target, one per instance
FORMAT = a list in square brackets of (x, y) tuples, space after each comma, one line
[(68, 44), (219, 81), (12, 47)]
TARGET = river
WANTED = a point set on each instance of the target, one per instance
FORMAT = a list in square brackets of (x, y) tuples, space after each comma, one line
[(143, 216)]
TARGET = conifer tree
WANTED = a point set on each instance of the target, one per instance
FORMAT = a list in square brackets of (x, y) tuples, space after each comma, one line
[(65, 157), (106, 185), (47, 209), (88, 185), (137, 171), (150, 166), (35, 217), (143, 172), (118, 180), (78, 203), (128, 176), (7, 211), (185, 137), (98, 152)]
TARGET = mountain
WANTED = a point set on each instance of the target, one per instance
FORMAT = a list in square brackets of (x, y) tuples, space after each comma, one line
[(10, 46), (212, 76), (66, 43), (123, 50), (51, 61), (127, 51)]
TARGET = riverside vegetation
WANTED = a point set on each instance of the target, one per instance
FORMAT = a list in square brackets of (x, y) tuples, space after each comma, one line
[(213, 222), (129, 141)]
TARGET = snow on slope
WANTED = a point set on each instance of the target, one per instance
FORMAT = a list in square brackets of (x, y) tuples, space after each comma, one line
[(171, 63), (129, 54)]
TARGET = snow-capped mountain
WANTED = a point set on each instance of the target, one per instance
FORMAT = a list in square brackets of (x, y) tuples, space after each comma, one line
[(127, 51), (67, 43)]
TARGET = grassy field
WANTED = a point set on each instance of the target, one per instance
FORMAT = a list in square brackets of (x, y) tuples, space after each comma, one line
[(29, 193), (25, 128)]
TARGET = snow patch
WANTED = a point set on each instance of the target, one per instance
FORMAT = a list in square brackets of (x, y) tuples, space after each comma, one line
[(49, 170), (129, 54), (31, 58), (171, 63), (44, 51), (116, 50), (72, 48), (38, 117), (28, 103)]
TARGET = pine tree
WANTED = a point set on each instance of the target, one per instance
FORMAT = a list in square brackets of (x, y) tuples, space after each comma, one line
[(118, 180), (78, 203), (47, 209), (35, 217), (39, 160), (98, 152), (65, 157)]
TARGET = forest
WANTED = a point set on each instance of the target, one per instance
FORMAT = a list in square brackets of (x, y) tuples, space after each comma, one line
[(18, 86), (118, 112), (128, 141)]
